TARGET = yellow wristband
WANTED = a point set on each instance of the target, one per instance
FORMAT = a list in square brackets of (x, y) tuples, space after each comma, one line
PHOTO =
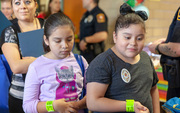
[(49, 106), (129, 105)]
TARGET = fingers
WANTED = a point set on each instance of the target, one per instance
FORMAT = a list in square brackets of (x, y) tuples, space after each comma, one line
[(82, 45), (72, 110), (139, 108)]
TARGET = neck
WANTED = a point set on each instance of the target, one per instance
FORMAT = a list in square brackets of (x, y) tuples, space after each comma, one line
[(28, 25), (52, 12), (91, 6)]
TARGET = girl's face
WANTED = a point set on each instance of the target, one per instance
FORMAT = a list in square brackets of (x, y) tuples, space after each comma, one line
[(55, 6), (129, 42), (6, 9), (60, 42), (24, 9)]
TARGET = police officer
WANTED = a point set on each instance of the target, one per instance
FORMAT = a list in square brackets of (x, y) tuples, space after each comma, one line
[(170, 56), (93, 30)]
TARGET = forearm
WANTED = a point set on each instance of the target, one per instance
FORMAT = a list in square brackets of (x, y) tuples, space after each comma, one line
[(41, 107), (170, 49), (106, 105), (82, 103), (97, 37), (17, 65), (21, 65), (155, 99)]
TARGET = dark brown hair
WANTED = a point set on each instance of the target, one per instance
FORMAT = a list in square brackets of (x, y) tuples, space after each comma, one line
[(53, 21), (128, 17)]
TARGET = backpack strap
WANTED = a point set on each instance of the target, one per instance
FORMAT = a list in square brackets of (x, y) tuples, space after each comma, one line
[(81, 64)]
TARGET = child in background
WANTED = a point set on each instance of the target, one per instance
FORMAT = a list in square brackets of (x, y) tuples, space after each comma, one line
[(123, 78), (54, 81)]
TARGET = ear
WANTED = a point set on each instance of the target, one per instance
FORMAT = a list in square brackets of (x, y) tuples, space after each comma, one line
[(36, 4), (114, 37), (46, 41), (50, 4)]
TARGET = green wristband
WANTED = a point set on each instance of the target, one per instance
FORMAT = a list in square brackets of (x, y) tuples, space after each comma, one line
[(49, 106), (129, 105)]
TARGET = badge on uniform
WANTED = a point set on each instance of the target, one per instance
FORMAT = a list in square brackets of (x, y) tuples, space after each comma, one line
[(100, 18), (125, 75), (178, 15), (88, 19)]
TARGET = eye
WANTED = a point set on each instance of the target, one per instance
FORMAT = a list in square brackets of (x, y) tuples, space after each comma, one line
[(127, 37), (140, 38), (57, 41), (17, 3), (27, 2), (69, 40)]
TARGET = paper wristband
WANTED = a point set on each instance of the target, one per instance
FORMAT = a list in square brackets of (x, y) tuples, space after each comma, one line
[(129, 105), (49, 106)]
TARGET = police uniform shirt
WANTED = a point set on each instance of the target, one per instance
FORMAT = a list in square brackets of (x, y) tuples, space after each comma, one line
[(93, 22), (174, 34)]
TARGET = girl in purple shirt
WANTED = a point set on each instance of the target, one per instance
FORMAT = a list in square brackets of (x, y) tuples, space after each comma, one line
[(54, 81)]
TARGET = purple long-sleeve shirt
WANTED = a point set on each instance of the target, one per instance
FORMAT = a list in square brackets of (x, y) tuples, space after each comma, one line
[(49, 79)]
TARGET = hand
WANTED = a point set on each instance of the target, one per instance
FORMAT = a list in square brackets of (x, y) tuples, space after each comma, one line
[(62, 106), (154, 44), (82, 45), (139, 108), (75, 105)]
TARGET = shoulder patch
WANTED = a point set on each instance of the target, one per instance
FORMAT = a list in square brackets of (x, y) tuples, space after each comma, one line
[(178, 15), (100, 18)]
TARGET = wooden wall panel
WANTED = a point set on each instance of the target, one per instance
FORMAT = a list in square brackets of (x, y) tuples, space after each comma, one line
[(75, 10)]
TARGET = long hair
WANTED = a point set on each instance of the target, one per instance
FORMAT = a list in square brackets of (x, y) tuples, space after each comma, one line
[(53, 21), (49, 9)]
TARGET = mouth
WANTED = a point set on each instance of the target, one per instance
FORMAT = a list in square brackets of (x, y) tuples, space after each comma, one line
[(64, 52), (24, 13), (132, 49)]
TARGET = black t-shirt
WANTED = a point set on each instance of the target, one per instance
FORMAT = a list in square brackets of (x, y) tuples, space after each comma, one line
[(126, 81)]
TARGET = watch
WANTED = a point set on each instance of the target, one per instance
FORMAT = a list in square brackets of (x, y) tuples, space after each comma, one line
[(84, 40), (157, 49)]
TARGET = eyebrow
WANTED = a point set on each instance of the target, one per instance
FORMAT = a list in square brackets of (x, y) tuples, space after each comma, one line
[(61, 37), (131, 34)]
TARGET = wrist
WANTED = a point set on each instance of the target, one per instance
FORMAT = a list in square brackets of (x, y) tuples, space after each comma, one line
[(49, 106), (129, 105), (84, 39), (157, 51)]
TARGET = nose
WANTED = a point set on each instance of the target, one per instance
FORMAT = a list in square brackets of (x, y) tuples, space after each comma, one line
[(133, 42), (64, 44), (23, 5)]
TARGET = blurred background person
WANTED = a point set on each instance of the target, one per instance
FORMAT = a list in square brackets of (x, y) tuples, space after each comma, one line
[(93, 30), (54, 6), (24, 10), (170, 56), (6, 9)]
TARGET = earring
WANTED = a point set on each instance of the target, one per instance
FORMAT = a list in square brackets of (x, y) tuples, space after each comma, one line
[(36, 14)]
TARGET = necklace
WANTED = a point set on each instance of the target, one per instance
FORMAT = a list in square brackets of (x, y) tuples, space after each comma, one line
[(21, 28)]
